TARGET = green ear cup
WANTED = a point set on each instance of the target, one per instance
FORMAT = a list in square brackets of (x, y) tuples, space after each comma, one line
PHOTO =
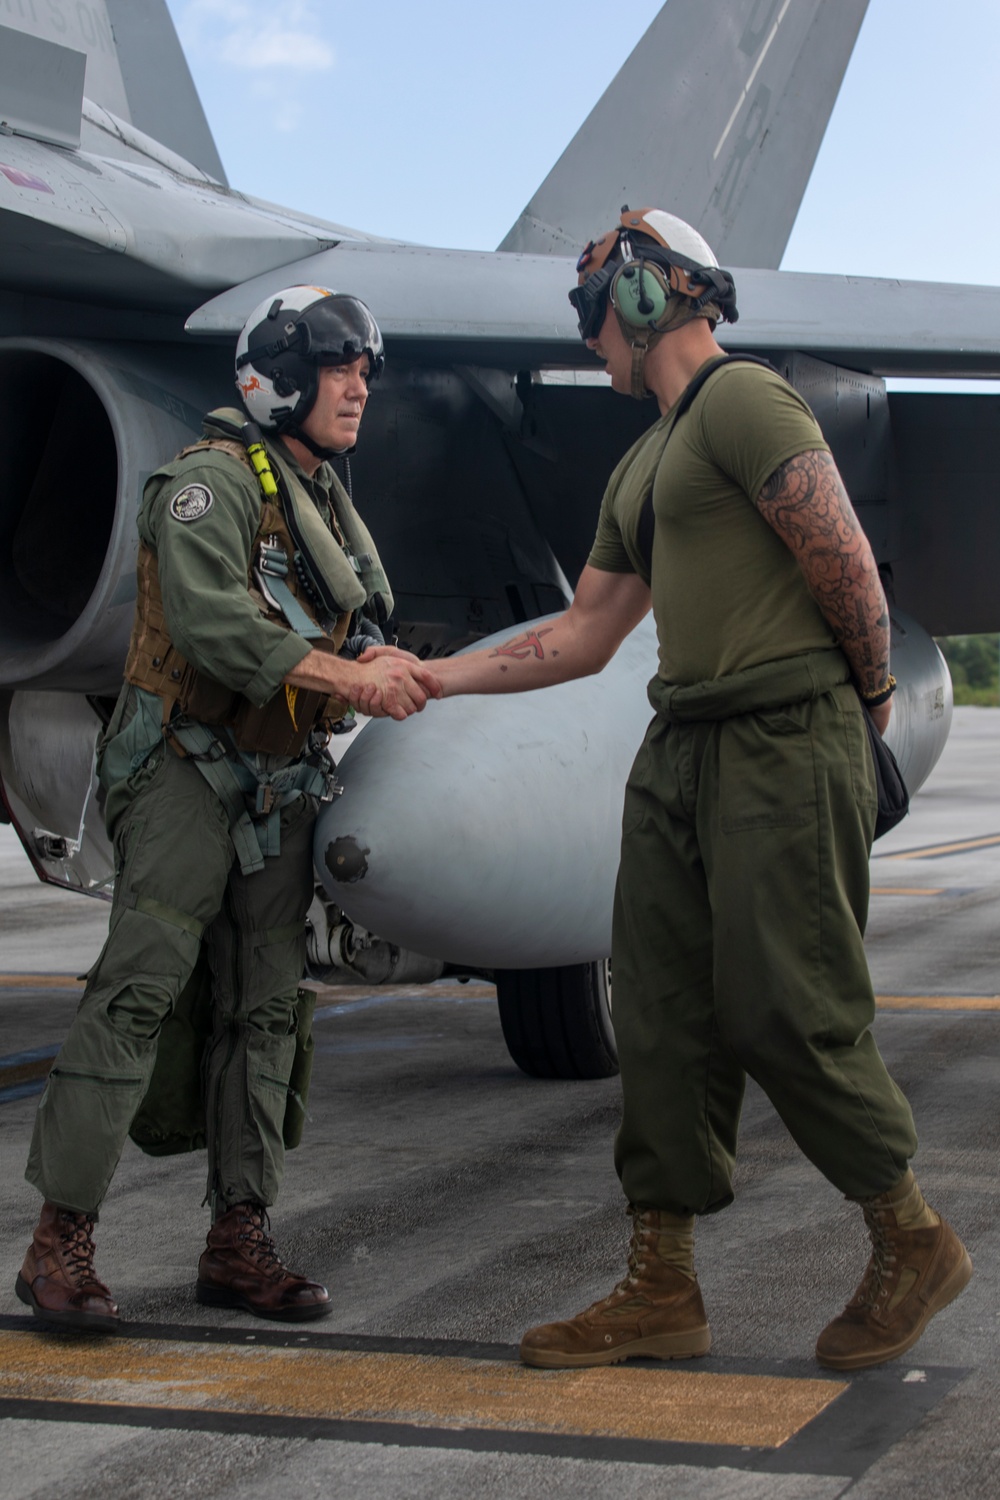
[(640, 298)]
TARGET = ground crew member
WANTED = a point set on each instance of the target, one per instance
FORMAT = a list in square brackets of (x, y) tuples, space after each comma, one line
[(252, 565), (743, 887)]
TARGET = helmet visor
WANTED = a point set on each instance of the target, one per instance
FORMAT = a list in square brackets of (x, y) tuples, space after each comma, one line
[(339, 331), (590, 300)]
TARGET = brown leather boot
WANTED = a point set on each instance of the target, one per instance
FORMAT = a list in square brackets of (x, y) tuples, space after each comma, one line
[(241, 1268), (911, 1275), (57, 1279), (656, 1310)]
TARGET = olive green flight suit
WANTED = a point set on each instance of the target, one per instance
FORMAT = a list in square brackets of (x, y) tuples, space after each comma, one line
[(177, 884), (179, 891)]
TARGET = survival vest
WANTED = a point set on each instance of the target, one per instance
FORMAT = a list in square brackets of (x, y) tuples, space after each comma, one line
[(343, 574)]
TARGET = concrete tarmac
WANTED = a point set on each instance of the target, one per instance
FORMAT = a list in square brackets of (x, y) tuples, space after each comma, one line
[(449, 1202)]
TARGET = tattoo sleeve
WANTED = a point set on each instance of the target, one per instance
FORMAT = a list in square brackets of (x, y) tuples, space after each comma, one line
[(805, 503)]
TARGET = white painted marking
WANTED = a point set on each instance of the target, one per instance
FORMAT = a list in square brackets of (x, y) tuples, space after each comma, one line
[(749, 83)]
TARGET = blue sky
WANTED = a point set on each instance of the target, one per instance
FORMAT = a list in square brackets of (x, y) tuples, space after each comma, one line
[(436, 121)]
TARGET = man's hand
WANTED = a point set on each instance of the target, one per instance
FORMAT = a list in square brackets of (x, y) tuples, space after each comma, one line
[(881, 716), (372, 653), (392, 686)]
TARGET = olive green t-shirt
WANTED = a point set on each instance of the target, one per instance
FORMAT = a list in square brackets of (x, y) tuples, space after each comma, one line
[(727, 592)]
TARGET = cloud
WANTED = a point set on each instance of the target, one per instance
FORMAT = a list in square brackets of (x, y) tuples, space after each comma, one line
[(249, 35), (287, 117)]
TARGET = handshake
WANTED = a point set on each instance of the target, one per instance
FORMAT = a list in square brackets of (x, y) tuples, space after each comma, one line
[(392, 684)]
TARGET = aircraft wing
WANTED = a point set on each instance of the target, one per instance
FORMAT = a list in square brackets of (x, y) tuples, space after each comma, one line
[(79, 225), (512, 311)]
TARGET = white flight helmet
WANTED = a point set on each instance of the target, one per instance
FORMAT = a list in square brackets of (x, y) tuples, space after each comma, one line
[(287, 338)]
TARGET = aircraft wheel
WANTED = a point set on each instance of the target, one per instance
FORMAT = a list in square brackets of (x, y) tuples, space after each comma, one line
[(557, 1022)]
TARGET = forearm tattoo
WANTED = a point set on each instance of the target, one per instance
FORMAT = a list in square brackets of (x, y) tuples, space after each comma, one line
[(807, 506), (525, 647)]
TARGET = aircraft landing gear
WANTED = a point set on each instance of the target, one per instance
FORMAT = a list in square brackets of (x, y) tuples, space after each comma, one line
[(557, 1022)]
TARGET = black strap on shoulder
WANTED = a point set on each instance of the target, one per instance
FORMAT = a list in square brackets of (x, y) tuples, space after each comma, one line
[(647, 521)]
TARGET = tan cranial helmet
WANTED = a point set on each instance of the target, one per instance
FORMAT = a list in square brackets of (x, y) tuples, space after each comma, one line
[(659, 273)]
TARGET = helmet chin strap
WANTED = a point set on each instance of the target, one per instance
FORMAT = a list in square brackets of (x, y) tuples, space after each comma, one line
[(640, 344), (642, 340), (323, 454)]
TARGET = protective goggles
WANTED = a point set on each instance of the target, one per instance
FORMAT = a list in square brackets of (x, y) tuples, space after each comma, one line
[(590, 300)]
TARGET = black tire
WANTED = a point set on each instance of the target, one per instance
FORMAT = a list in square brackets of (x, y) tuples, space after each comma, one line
[(557, 1022)]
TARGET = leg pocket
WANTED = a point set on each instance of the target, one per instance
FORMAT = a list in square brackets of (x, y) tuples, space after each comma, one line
[(767, 770), (80, 1129), (637, 788), (857, 748), (269, 1066)]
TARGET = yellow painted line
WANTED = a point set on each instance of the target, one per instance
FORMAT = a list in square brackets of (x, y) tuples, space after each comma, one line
[(938, 1002), (907, 890), (933, 850), (474, 989), (661, 1405), (40, 982)]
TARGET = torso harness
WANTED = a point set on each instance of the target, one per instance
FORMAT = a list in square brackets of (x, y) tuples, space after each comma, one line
[(302, 576)]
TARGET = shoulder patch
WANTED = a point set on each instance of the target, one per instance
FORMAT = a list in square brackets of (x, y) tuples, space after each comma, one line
[(191, 503)]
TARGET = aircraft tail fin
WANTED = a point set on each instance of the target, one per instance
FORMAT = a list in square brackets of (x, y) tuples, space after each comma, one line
[(135, 69), (163, 101), (717, 115)]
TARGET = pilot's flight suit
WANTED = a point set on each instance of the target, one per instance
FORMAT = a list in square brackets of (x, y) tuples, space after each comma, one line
[(213, 843)]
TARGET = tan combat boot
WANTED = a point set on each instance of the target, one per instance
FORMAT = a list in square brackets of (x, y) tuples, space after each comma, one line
[(655, 1311), (241, 1268), (917, 1266), (57, 1279)]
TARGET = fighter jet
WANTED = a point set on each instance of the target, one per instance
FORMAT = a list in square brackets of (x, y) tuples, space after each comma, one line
[(482, 834)]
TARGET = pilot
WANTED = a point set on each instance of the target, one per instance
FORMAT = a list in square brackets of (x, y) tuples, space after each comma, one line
[(253, 568), (743, 885)]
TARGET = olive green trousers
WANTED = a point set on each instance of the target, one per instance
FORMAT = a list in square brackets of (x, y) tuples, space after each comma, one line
[(178, 887), (739, 916)]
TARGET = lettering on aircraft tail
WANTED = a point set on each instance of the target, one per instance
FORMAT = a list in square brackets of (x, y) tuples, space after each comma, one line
[(753, 125)]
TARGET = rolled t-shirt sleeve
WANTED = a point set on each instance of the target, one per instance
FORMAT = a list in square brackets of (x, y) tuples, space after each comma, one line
[(608, 552), (202, 526), (751, 422)]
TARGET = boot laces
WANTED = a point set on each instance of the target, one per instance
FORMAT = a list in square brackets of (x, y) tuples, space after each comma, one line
[(76, 1237), (877, 1281), (640, 1248), (254, 1233)]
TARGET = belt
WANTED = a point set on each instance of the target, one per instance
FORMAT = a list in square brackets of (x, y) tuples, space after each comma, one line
[(772, 684)]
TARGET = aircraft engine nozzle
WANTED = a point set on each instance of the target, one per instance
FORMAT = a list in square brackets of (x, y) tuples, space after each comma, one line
[(486, 829), (82, 425)]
